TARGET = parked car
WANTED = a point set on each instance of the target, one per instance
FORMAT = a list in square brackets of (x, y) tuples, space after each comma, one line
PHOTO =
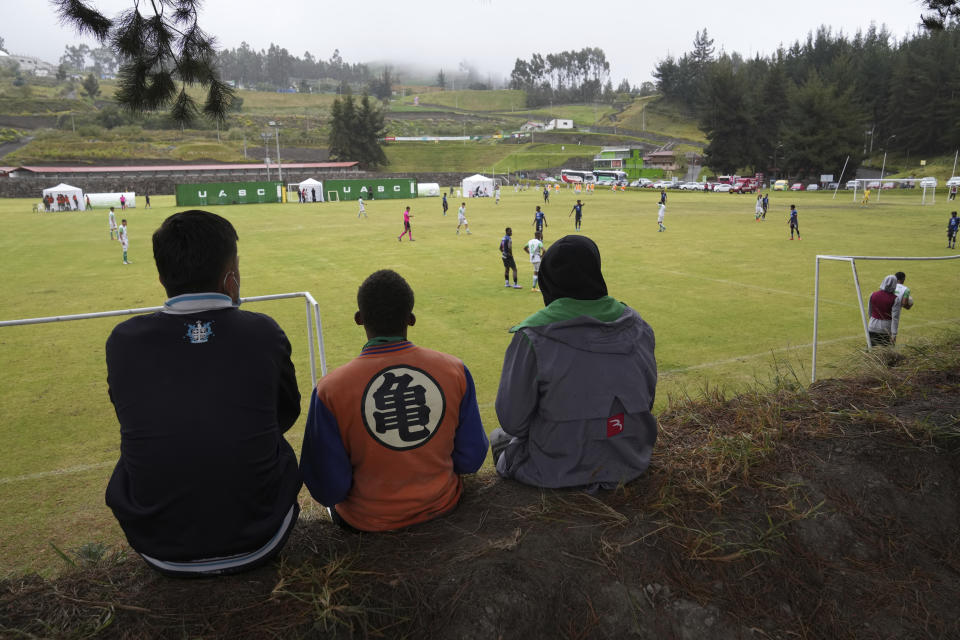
[(796, 186), (744, 185), (833, 186), (691, 186), (813, 187), (853, 184), (722, 188), (954, 182), (641, 182), (661, 184), (781, 185), (928, 182)]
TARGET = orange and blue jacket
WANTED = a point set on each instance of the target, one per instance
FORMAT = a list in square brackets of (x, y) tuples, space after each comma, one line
[(389, 433)]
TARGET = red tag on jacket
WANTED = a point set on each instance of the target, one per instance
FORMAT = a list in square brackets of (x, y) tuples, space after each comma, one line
[(614, 425)]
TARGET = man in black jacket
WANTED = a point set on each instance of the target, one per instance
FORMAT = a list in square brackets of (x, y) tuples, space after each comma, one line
[(206, 483)]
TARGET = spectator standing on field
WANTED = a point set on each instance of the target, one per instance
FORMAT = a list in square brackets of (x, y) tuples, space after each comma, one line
[(884, 311), (206, 484), (903, 291)]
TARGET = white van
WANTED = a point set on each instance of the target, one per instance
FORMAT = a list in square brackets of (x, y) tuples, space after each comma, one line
[(928, 182)]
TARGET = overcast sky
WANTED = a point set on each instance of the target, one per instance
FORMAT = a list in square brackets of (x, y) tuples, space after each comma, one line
[(489, 34)]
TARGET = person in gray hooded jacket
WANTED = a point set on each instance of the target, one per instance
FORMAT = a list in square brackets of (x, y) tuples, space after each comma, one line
[(578, 382)]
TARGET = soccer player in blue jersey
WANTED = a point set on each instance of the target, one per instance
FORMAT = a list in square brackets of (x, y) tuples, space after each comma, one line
[(794, 223), (539, 220), (578, 209), (952, 226)]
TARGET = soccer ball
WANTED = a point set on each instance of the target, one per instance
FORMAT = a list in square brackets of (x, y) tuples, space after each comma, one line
[(908, 302)]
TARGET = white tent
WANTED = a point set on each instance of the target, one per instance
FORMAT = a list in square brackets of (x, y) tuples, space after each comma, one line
[(314, 189), (477, 185), (67, 190), (425, 189)]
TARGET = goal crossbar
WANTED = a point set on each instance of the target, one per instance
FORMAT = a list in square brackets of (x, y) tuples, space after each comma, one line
[(852, 260), (314, 325)]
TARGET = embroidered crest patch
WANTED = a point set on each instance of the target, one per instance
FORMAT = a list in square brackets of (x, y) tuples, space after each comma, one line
[(199, 332), (402, 407)]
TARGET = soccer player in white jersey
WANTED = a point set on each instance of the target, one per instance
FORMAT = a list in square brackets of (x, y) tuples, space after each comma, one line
[(124, 241), (363, 210), (112, 218), (535, 249), (462, 218), (661, 209)]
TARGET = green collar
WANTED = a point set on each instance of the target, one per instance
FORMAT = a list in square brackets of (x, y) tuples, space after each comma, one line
[(373, 342), (605, 309)]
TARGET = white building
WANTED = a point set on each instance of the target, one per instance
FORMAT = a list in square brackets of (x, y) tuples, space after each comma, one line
[(558, 123), (28, 64)]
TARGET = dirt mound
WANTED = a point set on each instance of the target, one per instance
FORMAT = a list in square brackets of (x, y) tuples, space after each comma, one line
[(824, 512)]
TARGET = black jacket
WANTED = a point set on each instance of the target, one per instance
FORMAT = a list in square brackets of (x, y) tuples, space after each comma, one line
[(203, 401)]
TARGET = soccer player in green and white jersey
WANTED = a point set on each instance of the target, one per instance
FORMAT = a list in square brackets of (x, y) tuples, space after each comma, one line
[(112, 219), (124, 241), (535, 249)]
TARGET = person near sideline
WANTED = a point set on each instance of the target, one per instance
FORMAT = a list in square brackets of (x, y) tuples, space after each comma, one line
[(390, 433), (579, 378), (903, 291), (206, 484), (884, 311)]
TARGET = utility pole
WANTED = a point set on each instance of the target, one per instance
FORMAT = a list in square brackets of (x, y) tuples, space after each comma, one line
[(276, 130)]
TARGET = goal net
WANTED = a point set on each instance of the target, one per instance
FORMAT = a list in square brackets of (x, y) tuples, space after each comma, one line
[(852, 261), (333, 196)]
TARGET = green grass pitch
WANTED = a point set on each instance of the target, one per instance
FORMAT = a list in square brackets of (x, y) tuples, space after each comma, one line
[(726, 296)]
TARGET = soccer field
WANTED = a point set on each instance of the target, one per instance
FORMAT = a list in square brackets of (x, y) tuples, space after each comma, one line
[(726, 296)]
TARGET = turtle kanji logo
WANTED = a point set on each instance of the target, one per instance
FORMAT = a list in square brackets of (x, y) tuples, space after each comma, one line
[(402, 407)]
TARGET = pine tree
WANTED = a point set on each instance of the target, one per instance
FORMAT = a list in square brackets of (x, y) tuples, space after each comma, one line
[(159, 54)]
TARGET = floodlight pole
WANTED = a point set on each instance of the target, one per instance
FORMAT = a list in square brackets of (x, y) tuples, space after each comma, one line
[(276, 130), (884, 165), (266, 152)]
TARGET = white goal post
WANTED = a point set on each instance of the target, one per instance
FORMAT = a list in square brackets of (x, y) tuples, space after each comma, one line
[(333, 196), (313, 323), (852, 260)]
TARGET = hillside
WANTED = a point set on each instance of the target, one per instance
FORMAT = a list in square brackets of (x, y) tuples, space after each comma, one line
[(65, 127), (828, 512)]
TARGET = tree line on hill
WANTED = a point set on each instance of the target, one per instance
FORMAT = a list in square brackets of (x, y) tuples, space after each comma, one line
[(803, 110), (568, 76)]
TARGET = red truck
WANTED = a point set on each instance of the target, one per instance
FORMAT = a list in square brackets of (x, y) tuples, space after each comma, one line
[(744, 185)]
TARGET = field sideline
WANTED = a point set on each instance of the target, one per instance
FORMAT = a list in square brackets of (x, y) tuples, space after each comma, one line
[(726, 296)]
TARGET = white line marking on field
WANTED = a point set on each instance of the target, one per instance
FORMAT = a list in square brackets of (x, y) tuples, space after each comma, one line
[(716, 363), (56, 472), (796, 294)]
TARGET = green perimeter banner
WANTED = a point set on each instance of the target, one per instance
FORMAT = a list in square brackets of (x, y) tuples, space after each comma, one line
[(374, 189), (229, 193)]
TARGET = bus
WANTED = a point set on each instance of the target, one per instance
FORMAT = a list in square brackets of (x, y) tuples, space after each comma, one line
[(571, 175), (604, 176)]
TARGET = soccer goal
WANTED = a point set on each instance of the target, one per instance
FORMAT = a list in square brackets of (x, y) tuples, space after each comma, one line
[(314, 325), (852, 261), (333, 196)]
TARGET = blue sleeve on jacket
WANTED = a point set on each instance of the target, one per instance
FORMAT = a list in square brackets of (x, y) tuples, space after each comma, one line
[(324, 462), (470, 442)]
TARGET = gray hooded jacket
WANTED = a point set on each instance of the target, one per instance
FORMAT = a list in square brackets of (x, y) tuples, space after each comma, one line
[(576, 397)]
